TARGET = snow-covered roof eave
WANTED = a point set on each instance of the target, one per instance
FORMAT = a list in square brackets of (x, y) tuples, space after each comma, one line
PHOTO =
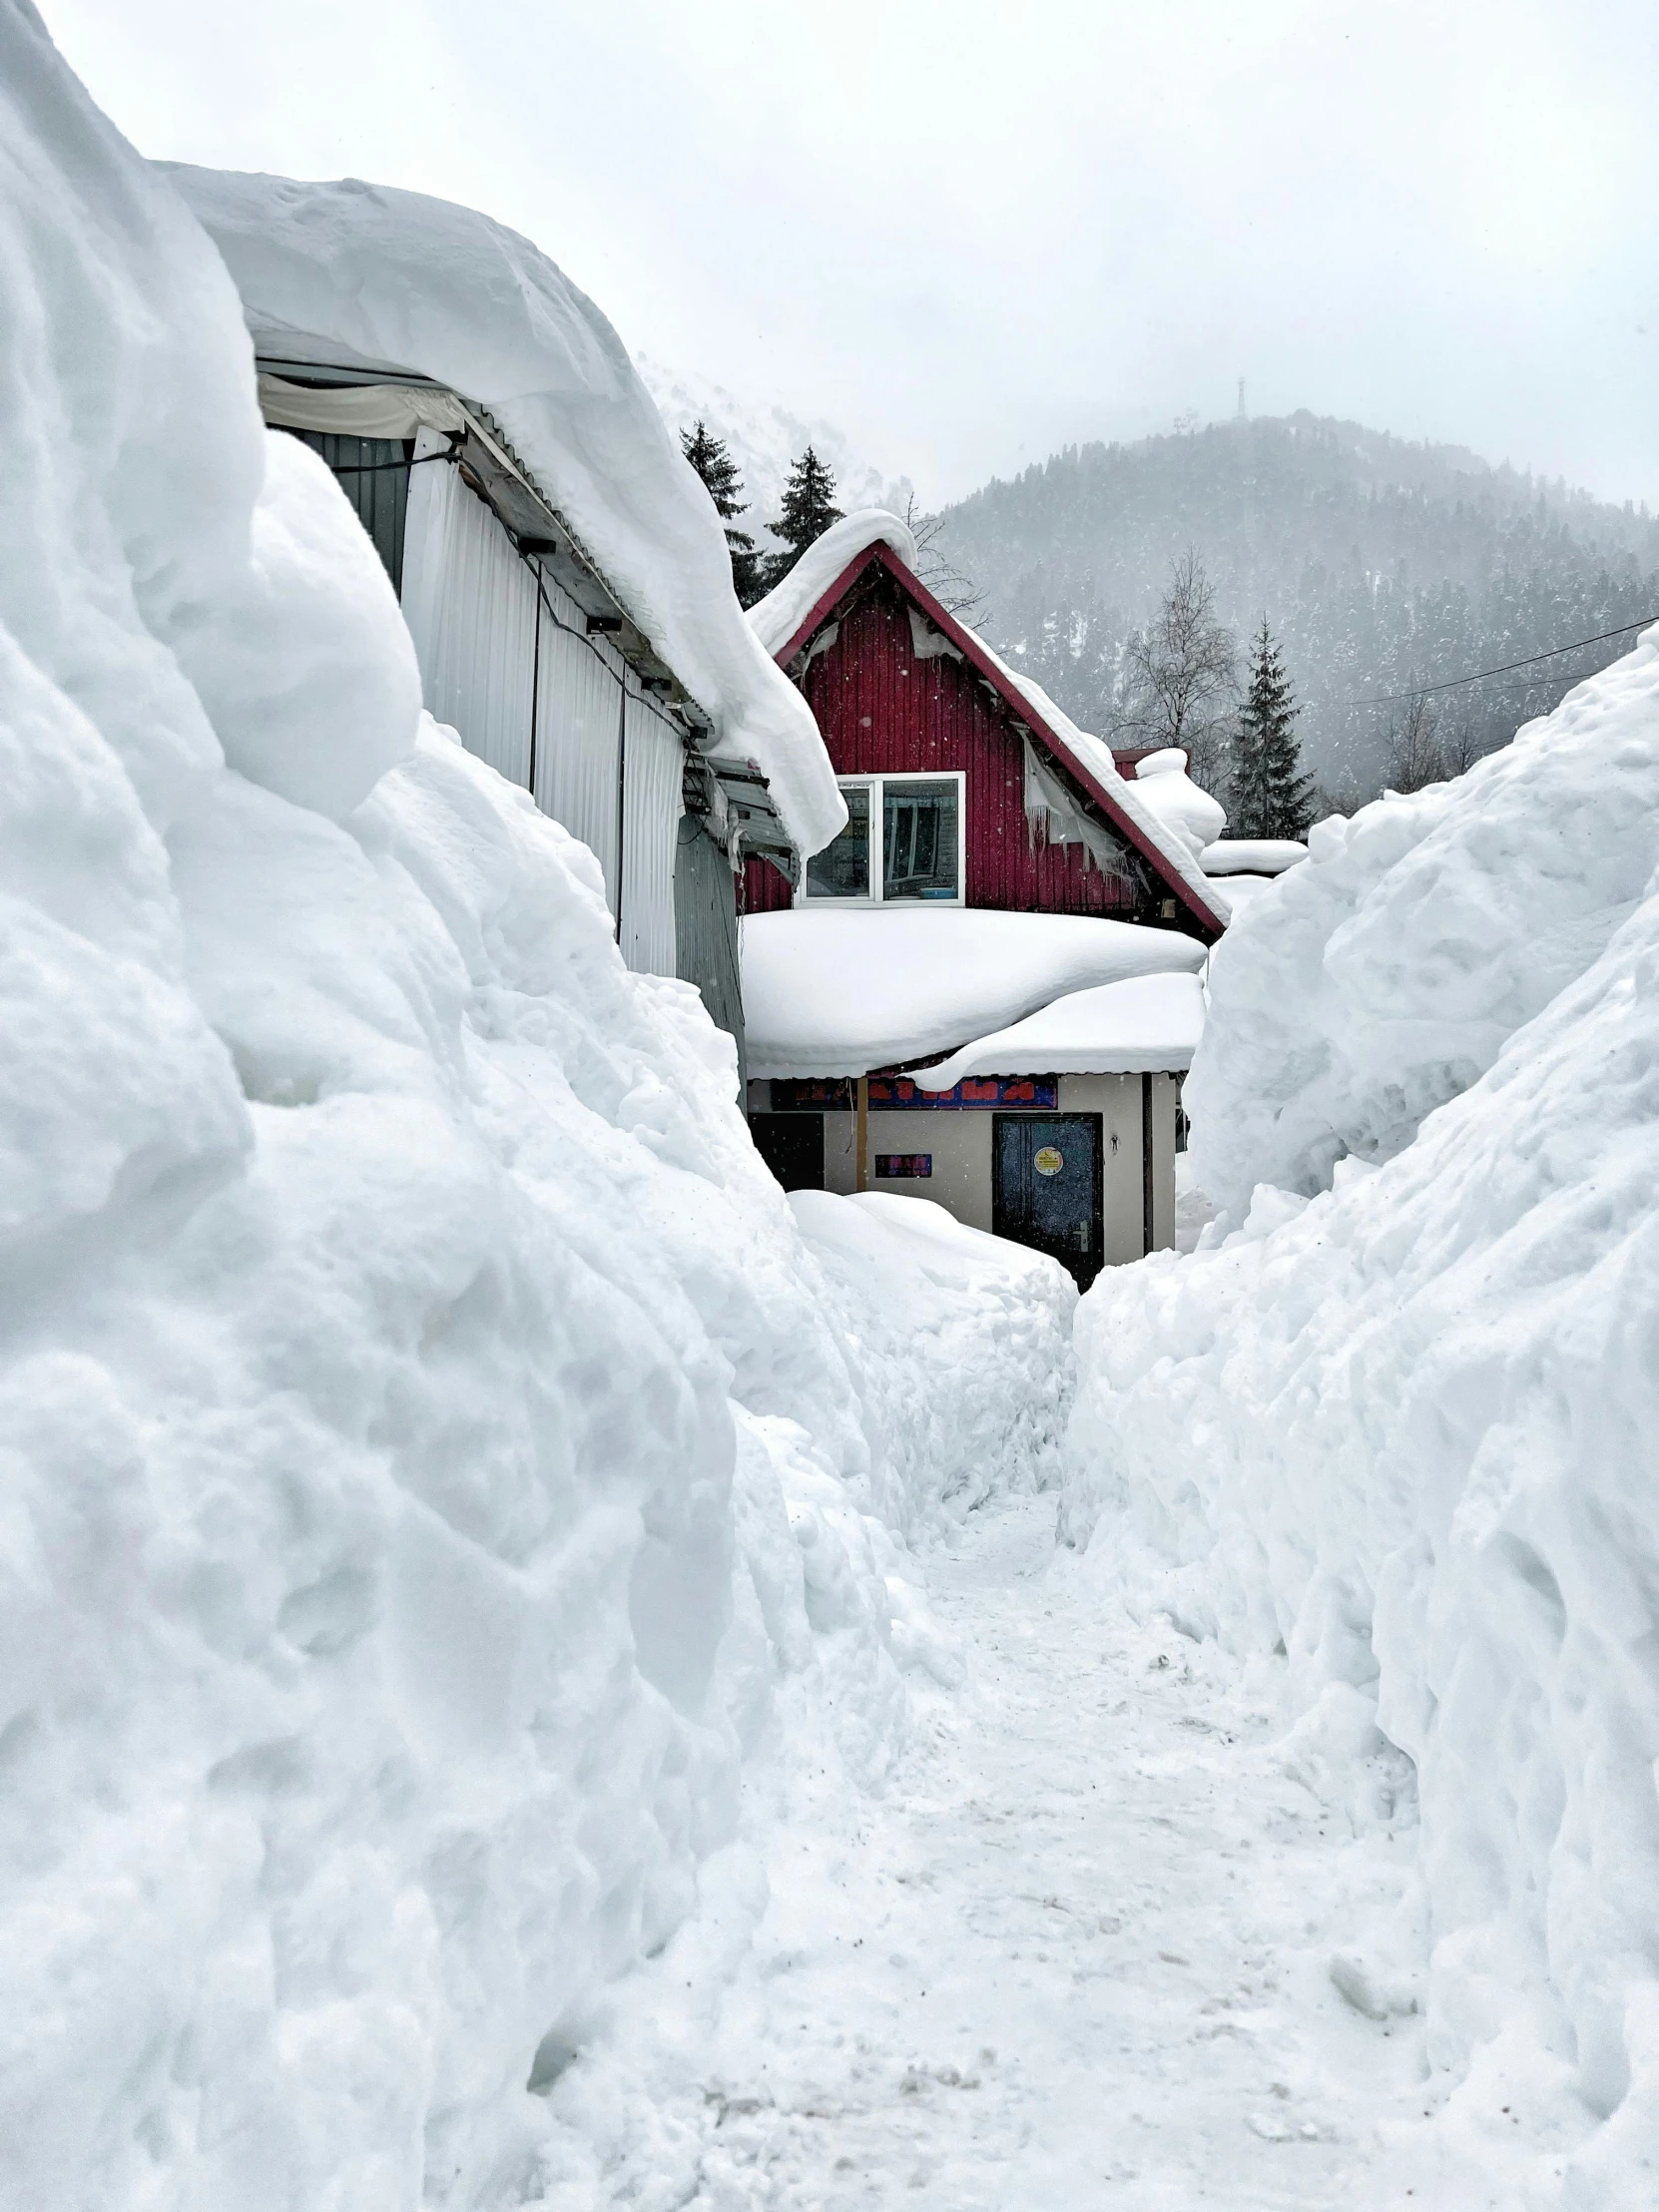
[(385, 278), (1252, 855), (833, 992), (1145, 1024), (792, 610), (1090, 760)]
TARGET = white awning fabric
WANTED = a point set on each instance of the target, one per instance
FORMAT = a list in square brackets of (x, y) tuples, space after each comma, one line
[(359, 410)]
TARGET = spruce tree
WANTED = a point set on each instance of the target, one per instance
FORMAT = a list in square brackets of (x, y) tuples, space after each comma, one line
[(1272, 798), (809, 510), (712, 461)]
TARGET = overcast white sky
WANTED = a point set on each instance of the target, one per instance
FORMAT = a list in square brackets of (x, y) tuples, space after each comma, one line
[(970, 232)]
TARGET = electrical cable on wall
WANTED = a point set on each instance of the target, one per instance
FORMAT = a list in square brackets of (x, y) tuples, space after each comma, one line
[(380, 468), (533, 564)]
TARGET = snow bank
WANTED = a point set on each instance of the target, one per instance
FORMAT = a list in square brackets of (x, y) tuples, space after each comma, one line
[(1407, 1429), (775, 617), (1149, 1022), (1385, 974), (428, 1461), (962, 1347), (839, 993), (395, 278), (1403, 1429)]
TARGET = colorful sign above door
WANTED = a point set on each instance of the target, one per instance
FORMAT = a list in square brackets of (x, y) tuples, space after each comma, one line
[(1008, 1092), (831, 1094)]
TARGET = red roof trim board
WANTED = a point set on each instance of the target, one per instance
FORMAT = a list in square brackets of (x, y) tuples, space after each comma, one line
[(1022, 709)]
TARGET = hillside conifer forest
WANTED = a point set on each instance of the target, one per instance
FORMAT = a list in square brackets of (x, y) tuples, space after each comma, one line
[(1381, 565)]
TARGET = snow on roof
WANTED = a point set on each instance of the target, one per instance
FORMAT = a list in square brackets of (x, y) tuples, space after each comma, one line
[(1145, 1023), (1095, 755), (1241, 889), (820, 568), (775, 617), (396, 278), (1252, 855), (1162, 783), (839, 993)]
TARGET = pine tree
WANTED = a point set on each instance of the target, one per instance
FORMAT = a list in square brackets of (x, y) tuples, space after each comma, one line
[(809, 510), (712, 461), (1271, 796)]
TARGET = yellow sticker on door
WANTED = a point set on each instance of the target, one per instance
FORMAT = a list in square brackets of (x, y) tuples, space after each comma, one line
[(1048, 1159)]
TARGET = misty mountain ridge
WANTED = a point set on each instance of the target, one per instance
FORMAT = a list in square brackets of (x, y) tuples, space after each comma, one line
[(1380, 564)]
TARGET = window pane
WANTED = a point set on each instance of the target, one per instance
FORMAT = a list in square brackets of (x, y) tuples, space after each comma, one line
[(841, 869), (918, 840)]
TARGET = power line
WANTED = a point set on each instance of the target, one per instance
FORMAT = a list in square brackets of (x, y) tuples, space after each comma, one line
[(1452, 683)]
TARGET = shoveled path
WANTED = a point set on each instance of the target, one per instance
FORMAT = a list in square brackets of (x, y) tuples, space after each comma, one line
[(1076, 1954)]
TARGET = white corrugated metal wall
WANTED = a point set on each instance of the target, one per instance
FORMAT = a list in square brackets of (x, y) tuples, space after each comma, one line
[(470, 603), (655, 771), (578, 731), (472, 609)]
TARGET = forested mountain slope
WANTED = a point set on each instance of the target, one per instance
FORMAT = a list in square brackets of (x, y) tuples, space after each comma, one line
[(1381, 565)]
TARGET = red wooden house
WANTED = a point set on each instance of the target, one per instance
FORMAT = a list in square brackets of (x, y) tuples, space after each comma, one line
[(904, 691), (967, 787)]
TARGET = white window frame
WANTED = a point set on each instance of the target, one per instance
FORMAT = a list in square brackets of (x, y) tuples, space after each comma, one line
[(876, 786)]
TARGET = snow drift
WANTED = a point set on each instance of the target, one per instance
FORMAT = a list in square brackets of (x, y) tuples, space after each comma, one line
[(397, 278), (427, 1459), (960, 1345), (1404, 1428), (1386, 973)]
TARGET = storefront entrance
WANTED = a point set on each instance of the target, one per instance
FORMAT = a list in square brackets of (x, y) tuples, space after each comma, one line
[(791, 1145), (1046, 1188)]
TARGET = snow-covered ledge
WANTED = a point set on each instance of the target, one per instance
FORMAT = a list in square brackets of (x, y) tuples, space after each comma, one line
[(398, 277), (775, 617)]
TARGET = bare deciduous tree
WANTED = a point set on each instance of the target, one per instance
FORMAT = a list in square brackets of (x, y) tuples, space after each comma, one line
[(1343, 796), (1179, 676), (1460, 748), (1414, 756), (955, 591), (1209, 751)]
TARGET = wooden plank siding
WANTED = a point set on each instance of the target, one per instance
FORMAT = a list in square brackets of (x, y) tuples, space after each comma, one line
[(881, 710)]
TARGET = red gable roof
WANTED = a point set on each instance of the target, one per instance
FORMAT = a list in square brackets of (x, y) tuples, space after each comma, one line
[(1023, 709)]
